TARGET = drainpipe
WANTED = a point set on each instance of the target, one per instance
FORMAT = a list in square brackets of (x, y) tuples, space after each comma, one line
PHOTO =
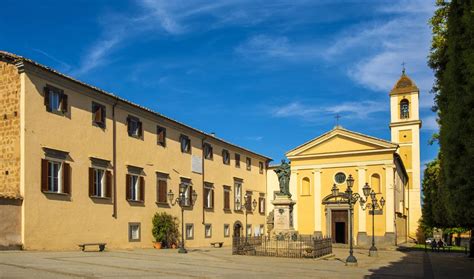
[(203, 209), (114, 159)]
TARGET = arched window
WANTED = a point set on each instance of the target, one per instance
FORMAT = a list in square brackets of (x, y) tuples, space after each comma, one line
[(404, 109), (375, 183), (305, 187)]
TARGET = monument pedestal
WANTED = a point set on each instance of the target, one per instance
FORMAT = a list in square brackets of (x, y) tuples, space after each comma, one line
[(283, 216)]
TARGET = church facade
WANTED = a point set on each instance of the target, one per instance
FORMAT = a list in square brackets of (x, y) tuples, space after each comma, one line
[(391, 168)]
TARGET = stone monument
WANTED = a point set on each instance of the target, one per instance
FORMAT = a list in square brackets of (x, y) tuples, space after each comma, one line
[(283, 204)]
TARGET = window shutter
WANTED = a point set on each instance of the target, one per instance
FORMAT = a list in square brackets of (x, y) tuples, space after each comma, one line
[(128, 186), (44, 175), (162, 185), (108, 184), (91, 182), (102, 115), (190, 201), (140, 129), (46, 99), (129, 127), (63, 102), (212, 198), (98, 114), (227, 200), (67, 178), (204, 197), (142, 188)]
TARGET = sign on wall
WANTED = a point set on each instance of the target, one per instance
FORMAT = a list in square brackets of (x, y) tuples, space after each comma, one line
[(196, 164)]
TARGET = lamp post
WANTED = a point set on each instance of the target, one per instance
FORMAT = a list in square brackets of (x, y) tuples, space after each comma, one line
[(351, 198), (183, 202), (373, 205), (248, 207)]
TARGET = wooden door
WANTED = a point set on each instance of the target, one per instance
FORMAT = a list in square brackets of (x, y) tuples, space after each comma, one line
[(339, 226)]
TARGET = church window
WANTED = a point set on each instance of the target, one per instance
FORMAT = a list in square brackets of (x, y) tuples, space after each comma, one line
[(375, 183), (305, 187), (404, 109), (340, 178)]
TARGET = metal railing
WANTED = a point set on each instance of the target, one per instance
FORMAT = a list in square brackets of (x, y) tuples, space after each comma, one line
[(301, 246)]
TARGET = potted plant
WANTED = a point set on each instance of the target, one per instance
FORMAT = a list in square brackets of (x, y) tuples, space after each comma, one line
[(165, 230)]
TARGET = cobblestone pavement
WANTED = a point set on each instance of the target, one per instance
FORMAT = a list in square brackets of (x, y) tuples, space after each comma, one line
[(219, 263)]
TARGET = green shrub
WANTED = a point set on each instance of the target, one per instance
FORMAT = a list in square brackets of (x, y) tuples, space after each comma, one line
[(165, 229)]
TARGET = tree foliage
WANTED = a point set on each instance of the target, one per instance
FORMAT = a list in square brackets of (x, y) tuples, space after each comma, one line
[(452, 59)]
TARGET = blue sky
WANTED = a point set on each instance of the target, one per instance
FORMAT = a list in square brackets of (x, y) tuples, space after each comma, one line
[(266, 75)]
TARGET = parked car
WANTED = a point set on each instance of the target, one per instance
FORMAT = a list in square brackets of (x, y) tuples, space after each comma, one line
[(429, 240)]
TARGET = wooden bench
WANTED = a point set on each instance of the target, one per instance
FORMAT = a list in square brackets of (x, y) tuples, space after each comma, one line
[(101, 246), (217, 244)]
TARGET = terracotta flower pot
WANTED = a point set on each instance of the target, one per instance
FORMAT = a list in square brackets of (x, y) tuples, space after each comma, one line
[(157, 245)]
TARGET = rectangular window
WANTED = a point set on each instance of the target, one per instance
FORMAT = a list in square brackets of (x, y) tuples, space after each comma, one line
[(225, 157), (248, 163), (98, 114), (237, 195), (185, 144), (208, 151), (188, 191), (55, 176), (135, 188), (134, 232), (262, 230), (208, 196), (208, 230), (135, 127), (55, 100), (189, 231), (100, 182), (161, 135), (226, 230), (249, 230), (237, 160), (227, 197), (162, 188), (248, 201), (260, 167), (261, 205)]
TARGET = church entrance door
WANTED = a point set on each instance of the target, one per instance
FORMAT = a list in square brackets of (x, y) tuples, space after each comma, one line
[(339, 220)]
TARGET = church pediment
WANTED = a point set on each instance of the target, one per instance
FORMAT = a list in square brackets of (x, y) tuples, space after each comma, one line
[(341, 141)]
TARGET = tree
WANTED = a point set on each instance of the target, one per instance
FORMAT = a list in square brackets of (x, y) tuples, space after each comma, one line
[(452, 59)]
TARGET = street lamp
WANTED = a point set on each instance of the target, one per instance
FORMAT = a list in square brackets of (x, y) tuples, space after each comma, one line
[(183, 202), (248, 207), (352, 198), (373, 205)]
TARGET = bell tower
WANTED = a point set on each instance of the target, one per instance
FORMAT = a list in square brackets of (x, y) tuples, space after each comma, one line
[(405, 127)]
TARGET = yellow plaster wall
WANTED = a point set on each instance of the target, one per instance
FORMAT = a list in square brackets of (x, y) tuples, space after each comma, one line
[(405, 153), (405, 136), (338, 143), (61, 222), (305, 204)]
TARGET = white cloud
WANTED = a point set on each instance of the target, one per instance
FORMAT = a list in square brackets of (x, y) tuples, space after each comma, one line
[(430, 124), (378, 49), (313, 112)]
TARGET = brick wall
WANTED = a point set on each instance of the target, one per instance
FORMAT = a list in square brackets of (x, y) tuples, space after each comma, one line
[(9, 131)]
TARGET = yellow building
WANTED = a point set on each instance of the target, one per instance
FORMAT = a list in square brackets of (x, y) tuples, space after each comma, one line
[(390, 168), (79, 164)]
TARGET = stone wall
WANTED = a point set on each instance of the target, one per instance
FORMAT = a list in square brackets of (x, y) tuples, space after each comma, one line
[(10, 196), (9, 131)]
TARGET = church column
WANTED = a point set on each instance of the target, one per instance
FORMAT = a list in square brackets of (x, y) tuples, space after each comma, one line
[(362, 230), (294, 196), (389, 205), (317, 202)]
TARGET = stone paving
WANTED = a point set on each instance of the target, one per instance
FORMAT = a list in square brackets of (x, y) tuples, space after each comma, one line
[(219, 263)]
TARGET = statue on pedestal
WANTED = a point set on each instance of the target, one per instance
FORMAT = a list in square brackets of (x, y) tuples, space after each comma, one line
[(283, 172)]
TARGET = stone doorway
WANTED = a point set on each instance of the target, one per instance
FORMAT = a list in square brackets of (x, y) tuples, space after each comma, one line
[(339, 226)]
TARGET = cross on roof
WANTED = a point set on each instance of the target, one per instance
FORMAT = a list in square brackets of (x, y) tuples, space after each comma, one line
[(337, 119), (403, 69)]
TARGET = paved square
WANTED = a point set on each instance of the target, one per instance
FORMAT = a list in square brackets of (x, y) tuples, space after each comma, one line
[(219, 263)]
